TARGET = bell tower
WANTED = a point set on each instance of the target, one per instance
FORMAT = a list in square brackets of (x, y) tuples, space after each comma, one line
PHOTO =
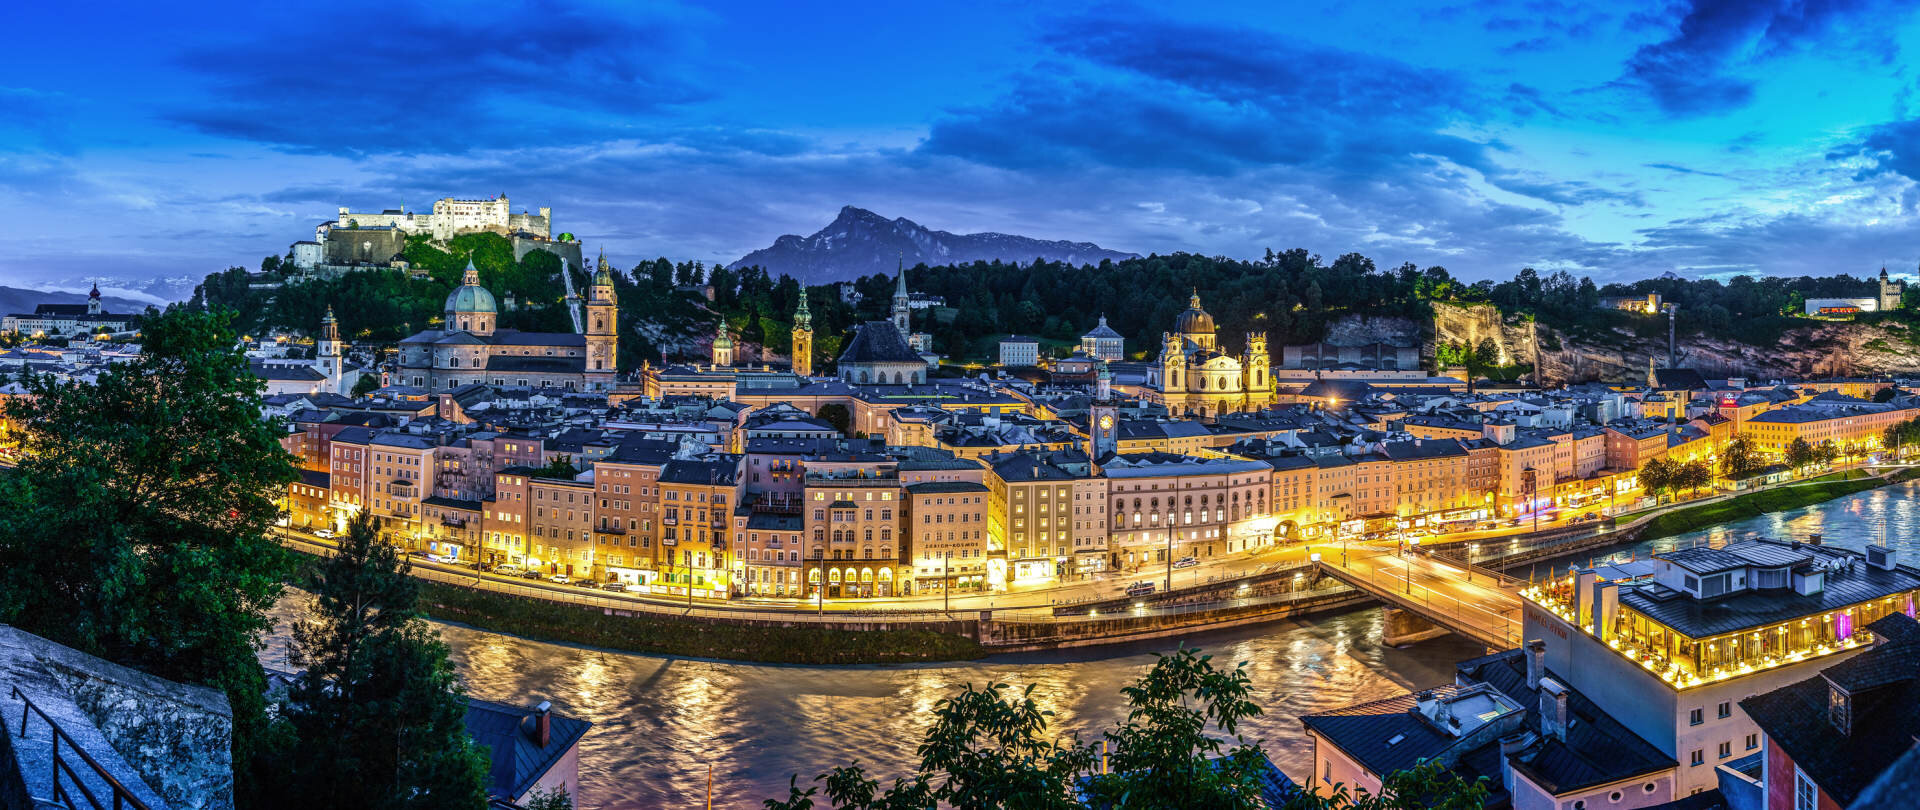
[(803, 337), (602, 332), (327, 354), (1256, 365), (722, 346), (902, 302), (1103, 416)]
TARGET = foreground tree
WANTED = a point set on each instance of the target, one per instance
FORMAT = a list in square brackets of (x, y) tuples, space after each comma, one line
[(1656, 476), (379, 713), (988, 749), (135, 525)]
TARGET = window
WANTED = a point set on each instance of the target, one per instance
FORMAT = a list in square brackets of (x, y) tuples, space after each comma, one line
[(1693, 717), (1726, 710), (1726, 750), (1805, 794), (1697, 757), (1753, 741)]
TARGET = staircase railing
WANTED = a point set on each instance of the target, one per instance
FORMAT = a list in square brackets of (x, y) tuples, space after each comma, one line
[(122, 798)]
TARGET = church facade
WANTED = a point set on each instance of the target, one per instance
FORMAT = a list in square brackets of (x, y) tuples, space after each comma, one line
[(468, 348), (1193, 377)]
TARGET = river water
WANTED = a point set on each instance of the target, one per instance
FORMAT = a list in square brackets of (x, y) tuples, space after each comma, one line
[(659, 722)]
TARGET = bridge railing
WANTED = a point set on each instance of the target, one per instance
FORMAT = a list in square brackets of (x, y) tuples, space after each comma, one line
[(1497, 626)]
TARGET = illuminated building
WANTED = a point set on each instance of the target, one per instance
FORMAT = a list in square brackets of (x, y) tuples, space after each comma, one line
[(1667, 646)]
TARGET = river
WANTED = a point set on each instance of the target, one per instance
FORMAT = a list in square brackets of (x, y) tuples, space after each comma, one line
[(659, 722)]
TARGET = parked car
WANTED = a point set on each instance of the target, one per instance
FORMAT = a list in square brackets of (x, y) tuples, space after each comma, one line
[(510, 570), (616, 587), (586, 583), (326, 533), (1186, 562), (559, 579), (532, 575)]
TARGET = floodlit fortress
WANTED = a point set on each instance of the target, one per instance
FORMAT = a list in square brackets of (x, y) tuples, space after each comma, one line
[(451, 217), (1668, 645)]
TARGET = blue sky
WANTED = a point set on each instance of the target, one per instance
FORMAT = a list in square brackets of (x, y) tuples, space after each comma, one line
[(1619, 140)]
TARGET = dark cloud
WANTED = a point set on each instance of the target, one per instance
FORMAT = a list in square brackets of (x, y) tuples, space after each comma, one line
[(1788, 245), (1698, 68), (440, 79), (1892, 148)]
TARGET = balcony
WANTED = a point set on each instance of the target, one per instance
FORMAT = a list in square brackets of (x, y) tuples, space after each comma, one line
[(857, 478), (455, 522), (669, 521), (402, 489)]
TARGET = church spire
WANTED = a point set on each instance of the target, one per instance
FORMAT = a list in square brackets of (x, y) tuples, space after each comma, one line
[(802, 317)]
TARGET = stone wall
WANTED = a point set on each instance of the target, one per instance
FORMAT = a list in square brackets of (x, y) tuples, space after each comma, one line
[(169, 743), (569, 252)]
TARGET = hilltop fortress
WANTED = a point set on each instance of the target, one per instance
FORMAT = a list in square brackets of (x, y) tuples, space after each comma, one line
[(377, 239)]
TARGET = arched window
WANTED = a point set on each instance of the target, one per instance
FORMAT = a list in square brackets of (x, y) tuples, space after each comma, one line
[(463, 325)]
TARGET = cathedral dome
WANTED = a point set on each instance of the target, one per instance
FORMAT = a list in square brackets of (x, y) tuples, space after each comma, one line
[(470, 296), (1194, 321)]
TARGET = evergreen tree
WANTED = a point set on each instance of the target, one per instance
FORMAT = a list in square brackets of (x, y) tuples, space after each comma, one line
[(379, 714), (135, 527)]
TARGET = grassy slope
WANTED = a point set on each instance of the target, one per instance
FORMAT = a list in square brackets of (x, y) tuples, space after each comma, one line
[(1754, 504)]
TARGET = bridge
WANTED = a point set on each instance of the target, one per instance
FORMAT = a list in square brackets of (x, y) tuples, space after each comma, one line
[(1468, 601)]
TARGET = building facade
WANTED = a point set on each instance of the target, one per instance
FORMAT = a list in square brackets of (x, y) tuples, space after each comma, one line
[(469, 349), (1194, 377)]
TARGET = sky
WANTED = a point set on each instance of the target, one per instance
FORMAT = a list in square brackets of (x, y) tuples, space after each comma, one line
[(1618, 140)]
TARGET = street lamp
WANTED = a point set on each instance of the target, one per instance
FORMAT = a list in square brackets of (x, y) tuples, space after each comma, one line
[(1170, 525), (1471, 549)]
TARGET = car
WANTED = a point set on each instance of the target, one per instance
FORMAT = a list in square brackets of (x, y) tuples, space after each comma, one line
[(586, 583), (616, 587), (559, 579), (532, 575), (323, 533), (1186, 562), (510, 570), (1140, 589)]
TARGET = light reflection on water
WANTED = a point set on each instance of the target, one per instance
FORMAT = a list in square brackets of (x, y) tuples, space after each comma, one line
[(1854, 521), (659, 722)]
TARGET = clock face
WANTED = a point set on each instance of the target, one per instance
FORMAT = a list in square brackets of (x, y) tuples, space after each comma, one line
[(1106, 422)]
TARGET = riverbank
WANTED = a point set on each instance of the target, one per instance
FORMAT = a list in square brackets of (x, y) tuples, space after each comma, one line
[(657, 635), (1755, 504)]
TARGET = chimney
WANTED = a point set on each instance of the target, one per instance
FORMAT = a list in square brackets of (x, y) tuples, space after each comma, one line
[(1553, 709), (543, 724), (1536, 662)]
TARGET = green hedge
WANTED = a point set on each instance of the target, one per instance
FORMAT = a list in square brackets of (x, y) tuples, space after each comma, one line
[(667, 635)]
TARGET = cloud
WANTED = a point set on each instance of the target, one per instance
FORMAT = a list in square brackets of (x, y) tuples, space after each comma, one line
[(1698, 68), (1679, 169), (441, 79), (1136, 93)]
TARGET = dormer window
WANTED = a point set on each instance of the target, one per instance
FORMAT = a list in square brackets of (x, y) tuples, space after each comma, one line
[(1839, 708)]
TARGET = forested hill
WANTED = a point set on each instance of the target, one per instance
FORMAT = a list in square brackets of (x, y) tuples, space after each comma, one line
[(1293, 296)]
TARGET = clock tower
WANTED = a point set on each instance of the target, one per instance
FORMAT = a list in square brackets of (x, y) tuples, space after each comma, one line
[(1103, 416)]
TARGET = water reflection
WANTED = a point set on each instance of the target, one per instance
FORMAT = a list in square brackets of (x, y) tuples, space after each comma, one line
[(1854, 521), (659, 722)]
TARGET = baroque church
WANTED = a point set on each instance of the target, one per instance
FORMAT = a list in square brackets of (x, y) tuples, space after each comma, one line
[(469, 349), (1194, 377)]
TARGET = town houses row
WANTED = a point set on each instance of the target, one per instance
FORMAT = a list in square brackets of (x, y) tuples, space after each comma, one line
[(979, 485)]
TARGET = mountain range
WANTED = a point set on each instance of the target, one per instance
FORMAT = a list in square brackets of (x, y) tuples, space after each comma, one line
[(859, 242), (14, 300)]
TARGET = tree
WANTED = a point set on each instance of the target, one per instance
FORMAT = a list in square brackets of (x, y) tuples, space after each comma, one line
[(1656, 476), (1800, 454), (135, 526), (1691, 476), (1738, 458), (555, 799), (560, 467), (379, 712), (990, 749), (836, 414), (367, 384), (1826, 452)]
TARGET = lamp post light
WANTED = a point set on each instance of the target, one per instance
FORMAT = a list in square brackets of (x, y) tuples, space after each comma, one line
[(1471, 549)]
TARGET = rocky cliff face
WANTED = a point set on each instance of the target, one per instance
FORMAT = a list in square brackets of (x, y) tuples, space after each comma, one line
[(860, 242), (1844, 348)]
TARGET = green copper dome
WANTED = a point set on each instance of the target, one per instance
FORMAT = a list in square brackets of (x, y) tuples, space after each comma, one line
[(470, 296)]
